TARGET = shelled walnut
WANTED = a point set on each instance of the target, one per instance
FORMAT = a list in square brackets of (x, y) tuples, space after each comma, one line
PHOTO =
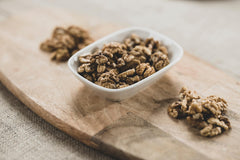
[(65, 42), (119, 65), (206, 114)]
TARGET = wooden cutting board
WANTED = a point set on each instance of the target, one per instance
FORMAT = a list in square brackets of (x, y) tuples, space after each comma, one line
[(137, 128)]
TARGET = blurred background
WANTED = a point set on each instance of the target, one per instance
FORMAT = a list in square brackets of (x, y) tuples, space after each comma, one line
[(209, 30)]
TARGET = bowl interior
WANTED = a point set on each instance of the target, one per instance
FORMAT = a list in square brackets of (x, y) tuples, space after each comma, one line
[(175, 51)]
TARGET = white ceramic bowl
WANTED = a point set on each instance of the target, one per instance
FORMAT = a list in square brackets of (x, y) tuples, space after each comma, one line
[(175, 54)]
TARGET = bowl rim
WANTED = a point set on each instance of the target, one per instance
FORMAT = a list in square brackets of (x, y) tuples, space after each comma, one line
[(72, 58)]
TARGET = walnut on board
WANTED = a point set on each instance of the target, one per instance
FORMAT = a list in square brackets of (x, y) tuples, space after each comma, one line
[(206, 114), (65, 42)]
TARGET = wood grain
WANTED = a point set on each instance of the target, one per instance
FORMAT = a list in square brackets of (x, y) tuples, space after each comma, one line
[(137, 128)]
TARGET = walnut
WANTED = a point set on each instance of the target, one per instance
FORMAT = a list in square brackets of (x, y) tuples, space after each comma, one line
[(58, 31), (113, 48), (78, 32), (153, 45), (110, 76), (148, 71), (164, 50), (87, 76), (156, 56), (149, 42), (140, 50), (225, 120), (86, 67), (119, 65), (60, 55), (81, 69), (126, 74), (84, 59), (131, 80), (120, 62), (133, 64), (199, 124), (108, 79), (174, 110), (215, 105), (162, 62), (216, 121), (142, 59), (210, 131), (122, 85), (128, 57), (48, 46), (198, 116), (101, 68), (141, 68), (132, 41), (111, 64), (66, 42), (188, 94), (140, 53), (101, 59), (206, 114), (145, 70), (195, 107)]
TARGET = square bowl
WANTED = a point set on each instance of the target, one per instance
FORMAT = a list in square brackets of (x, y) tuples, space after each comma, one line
[(175, 54)]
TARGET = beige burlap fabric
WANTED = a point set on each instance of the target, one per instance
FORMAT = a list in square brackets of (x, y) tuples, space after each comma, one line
[(24, 135)]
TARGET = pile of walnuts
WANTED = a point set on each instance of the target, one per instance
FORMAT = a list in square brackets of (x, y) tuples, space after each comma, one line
[(206, 114), (119, 65), (65, 42)]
